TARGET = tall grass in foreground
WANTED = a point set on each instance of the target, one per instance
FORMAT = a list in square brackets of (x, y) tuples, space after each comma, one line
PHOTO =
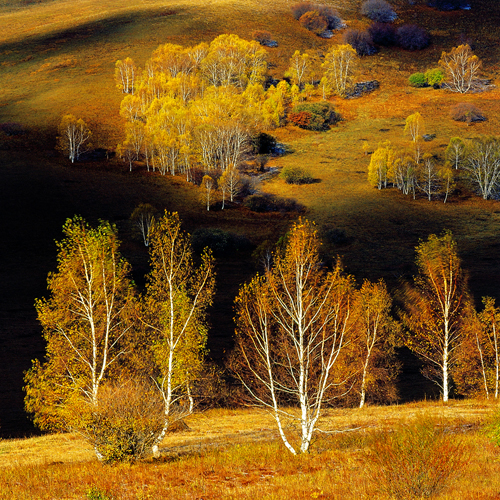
[(434, 461), (418, 460)]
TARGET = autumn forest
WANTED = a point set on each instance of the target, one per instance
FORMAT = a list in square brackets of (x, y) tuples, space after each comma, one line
[(250, 249)]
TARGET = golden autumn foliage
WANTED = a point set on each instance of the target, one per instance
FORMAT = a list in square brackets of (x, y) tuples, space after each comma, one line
[(293, 325), (86, 323), (436, 308)]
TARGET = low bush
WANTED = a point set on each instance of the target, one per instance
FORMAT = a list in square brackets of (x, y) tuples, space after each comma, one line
[(448, 4), (299, 9), (378, 10), (418, 80), (262, 36), (263, 144), (270, 203), (314, 116), (218, 241), (434, 76), (296, 175), (125, 424), (360, 41), (417, 460), (382, 34), (330, 15), (466, 112), (412, 37), (314, 21)]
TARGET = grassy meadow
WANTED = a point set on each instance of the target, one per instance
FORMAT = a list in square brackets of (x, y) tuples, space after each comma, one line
[(57, 57), (229, 454)]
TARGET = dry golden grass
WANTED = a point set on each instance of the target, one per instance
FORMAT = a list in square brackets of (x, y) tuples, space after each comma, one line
[(236, 454)]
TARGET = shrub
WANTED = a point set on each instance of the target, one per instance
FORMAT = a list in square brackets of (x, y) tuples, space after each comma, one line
[(218, 241), (378, 10), (126, 423), (314, 21), (262, 36), (412, 37), (301, 119), (299, 9), (434, 76), (417, 460), (263, 144), (417, 80), (296, 175), (466, 112), (314, 116), (330, 15), (382, 34), (270, 203), (448, 4), (360, 41)]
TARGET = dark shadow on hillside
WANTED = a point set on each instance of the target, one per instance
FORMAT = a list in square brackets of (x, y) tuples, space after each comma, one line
[(95, 32)]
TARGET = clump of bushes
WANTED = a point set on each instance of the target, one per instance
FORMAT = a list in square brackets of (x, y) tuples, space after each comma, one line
[(448, 4), (262, 36), (314, 21), (314, 116), (360, 41), (466, 112), (270, 203), (432, 77), (317, 16), (417, 460), (296, 175), (382, 34), (378, 10), (417, 80), (412, 37), (218, 241), (126, 422)]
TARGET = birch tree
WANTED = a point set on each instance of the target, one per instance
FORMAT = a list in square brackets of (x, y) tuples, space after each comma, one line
[(435, 308), (482, 163), (415, 128), (478, 372), (340, 65), (293, 325), (375, 325), (174, 316), (86, 324), (74, 137), (461, 68), (455, 151), (143, 218), (126, 75)]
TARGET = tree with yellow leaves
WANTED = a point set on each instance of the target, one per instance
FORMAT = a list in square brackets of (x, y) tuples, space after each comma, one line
[(436, 307), (173, 315), (86, 321), (415, 128), (461, 68), (339, 67), (293, 325), (380, 165)]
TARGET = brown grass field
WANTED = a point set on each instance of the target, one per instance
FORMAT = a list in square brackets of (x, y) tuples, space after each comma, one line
[(229, 454), (57, 57)]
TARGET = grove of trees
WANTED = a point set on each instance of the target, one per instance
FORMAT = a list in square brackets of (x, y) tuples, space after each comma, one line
[(123, 365)]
